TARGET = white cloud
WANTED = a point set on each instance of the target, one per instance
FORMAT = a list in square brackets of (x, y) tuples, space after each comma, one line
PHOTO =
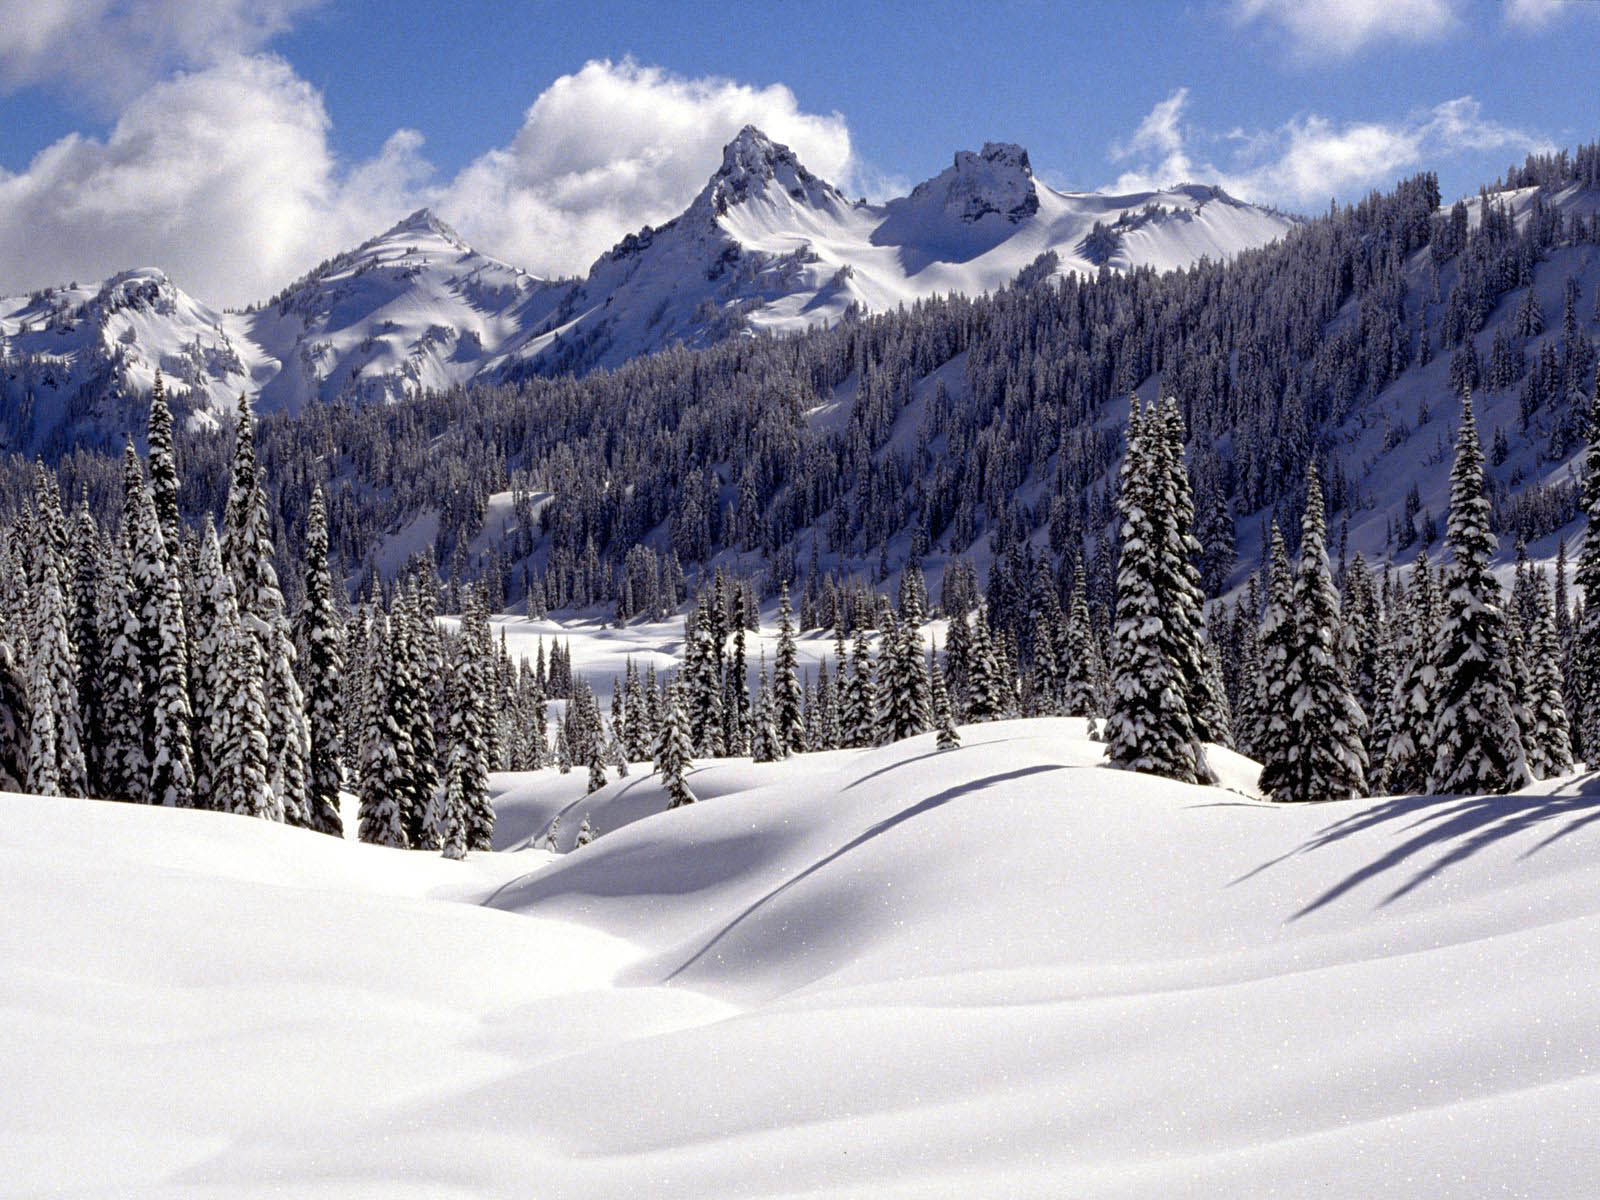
[(1318, 28), (1159, 137), (109, 51), (223, 177), (615, 146), (1312, 158)]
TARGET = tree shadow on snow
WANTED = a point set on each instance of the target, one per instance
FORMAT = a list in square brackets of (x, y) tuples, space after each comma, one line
[(1458, 826), (937, 800)]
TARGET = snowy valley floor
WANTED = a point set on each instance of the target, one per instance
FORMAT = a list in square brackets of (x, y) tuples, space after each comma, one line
[(1000, 970)]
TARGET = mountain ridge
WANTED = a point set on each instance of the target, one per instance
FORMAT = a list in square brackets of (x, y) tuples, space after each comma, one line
[(766, 246)]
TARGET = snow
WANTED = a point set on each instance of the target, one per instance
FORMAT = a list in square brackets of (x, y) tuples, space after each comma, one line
[(999, 970)]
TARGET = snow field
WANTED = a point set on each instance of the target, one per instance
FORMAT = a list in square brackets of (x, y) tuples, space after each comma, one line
[(999, 970)]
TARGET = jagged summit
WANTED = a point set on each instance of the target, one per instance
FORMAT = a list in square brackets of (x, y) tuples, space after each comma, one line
[(751, 162), (423, 221), (998, 179)]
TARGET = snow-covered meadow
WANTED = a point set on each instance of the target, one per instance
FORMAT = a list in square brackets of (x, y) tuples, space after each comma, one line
[(998, 970)]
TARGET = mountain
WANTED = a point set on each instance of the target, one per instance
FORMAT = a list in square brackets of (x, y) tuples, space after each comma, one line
[(765, 247), (414, 309), (768, 246)]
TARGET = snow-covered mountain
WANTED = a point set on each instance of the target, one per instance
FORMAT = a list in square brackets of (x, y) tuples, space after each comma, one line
[(414, 308), (765, 246), (768, 246)]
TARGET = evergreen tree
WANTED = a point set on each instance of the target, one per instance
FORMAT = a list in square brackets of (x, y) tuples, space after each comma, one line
[(943, 718), (56, 763), (1179, 584), (1326, 730), (1586, 634), (126, 769), (585, 834), (248, 554), (469, 718), (214, 616), (903, 691), (1476, 745), (1550, 747), (15, 723), (1148, 728), (989, 693), (89, 646), (1410, 751), (1273, 744), (240, 746), (597, 766), (764, 744), (788, 699), (860, 705), (163, 470), (383, 781), (1078, 666), (673, 759), (453, 819), (168, 719), (322, 634)]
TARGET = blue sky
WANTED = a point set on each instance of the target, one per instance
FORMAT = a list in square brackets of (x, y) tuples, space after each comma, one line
[(173, 134)]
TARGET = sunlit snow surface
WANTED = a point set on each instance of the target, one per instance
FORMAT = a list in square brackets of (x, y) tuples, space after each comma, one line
[(999, 970)]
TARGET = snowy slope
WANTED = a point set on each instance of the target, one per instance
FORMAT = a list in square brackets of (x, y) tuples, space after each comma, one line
[(996, 971), (82, 357), (768, 244), (1423, 458), (414, 309)]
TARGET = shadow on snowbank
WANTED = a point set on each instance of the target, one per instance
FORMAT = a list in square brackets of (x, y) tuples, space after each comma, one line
[(1457, 826), (884, 826)]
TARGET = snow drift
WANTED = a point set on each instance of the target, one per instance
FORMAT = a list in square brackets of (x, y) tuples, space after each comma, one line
[(1000, 970)]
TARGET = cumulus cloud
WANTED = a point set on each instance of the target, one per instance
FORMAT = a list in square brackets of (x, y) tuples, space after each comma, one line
[(1342, 27), (111, 50), (615, 146), (1310, 158), (224, 176)]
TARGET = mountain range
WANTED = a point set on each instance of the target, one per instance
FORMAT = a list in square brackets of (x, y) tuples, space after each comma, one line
[(765, 247)]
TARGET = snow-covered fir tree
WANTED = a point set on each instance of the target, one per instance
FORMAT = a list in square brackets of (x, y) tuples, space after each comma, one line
[(383, 778), (322, 634), (164, 649), (1409, 755), (1324, 728), (788, 698), (1550, 748), (1476, 747), (673, 758), (15, 725), (247, 552), (859, 707), (903, 684), (943, 718), (1586, 635), (470, 698), (1274, 678), (1148, 727)]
